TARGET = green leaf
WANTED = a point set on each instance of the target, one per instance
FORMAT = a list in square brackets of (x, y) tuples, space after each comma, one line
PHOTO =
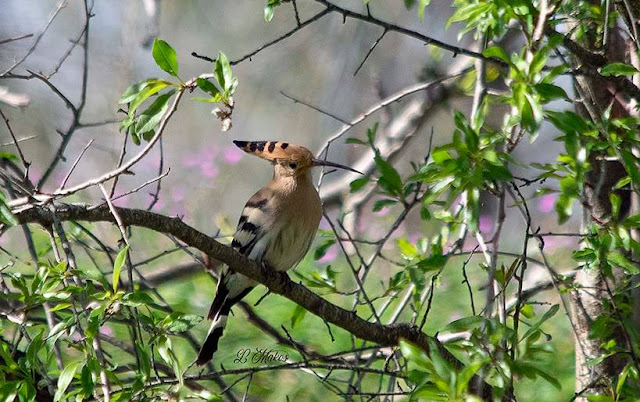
[(464, 324), (150, 118), (383, 203), (527, 311), (497, 52), (222, 71), (268, 12), (619, 260), (145, 359), (297, 316), (132, 92), (117, 267), (421, 7), (352, 140), (414, 354), (9, 390), (548, 314), (6, 215), (86, 380), (5, 353), (181, 323), (208, 87), (166, 352), (65, 379), (618, 69), (321, 250), (137, 299), (358, 184), (389, 176), (550, 91), (9, 156), (148, 91), (408, 250), (433, 263), (165, 57), (630, 165)]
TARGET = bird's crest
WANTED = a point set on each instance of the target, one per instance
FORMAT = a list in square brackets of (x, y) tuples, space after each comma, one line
[(275, 150)]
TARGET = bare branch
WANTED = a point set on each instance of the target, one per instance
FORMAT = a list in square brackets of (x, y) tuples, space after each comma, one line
[(59, 7)]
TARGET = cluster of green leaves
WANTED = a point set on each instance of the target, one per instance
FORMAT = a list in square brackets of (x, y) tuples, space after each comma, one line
[(107, 303), (611, 138), (435, 378), (491, 17), (143, 124), (224, 84), (531, 86), (389, 182), (470, 163), (421, 260)]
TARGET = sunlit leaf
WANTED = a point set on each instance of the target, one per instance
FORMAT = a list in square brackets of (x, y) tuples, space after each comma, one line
[(165, 57)]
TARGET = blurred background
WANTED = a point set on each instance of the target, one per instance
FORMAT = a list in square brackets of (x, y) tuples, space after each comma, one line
[(210, 179)]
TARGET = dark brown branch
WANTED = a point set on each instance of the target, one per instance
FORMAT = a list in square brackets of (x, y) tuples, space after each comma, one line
[(407, 32), (270, 43)]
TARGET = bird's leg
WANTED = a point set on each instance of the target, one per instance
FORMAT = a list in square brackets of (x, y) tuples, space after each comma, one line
[(269, 272)]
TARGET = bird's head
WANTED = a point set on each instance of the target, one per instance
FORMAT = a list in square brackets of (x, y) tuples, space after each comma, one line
[(288, 159)]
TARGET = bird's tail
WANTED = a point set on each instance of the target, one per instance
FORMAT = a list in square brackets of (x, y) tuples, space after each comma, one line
[(210, 344), (230, 291)]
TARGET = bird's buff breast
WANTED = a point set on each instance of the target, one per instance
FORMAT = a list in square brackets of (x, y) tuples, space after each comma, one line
[(290, 245)]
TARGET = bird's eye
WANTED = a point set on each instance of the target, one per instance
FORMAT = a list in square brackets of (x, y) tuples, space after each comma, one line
[(293, 165)]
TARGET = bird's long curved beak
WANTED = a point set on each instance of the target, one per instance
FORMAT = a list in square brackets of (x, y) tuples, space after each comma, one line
[(320, 162)]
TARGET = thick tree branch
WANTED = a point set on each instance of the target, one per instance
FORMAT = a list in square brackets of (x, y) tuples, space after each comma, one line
[(277, 282)]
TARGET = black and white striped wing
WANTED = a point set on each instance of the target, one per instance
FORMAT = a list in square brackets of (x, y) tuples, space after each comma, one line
[(250, 240)]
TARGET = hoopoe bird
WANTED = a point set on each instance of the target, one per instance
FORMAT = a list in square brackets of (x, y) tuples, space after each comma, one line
[(276, 228)]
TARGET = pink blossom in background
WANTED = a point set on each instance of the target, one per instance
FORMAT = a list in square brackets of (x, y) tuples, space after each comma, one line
[(208, 169), (232, 155), (178, 194), (362, 225), (190, 161), (205, 160), (456, 203), (324, 225), (56, 178), (178, 210), (330, 255), (555, 242), (547, 202), (383, 211), (399, 232), (485, 224), (414, 237), (151, 161), (121, 202), (106, 331), (4, 239), (159, 205)]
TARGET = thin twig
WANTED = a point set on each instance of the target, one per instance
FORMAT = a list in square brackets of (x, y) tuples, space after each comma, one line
[(64, 181), (15, 38), (375, 43), (115, 213), (456, 50), (59, 7)]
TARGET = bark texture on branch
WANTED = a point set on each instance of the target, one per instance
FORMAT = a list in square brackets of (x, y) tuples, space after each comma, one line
[(591, 297)]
